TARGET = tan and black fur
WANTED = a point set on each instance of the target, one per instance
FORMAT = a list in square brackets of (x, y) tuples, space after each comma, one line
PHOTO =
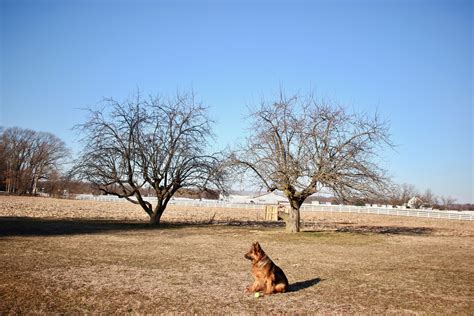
[(269, 278)]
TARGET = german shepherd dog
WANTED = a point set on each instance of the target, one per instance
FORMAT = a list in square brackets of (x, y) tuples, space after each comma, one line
[(269, 278)]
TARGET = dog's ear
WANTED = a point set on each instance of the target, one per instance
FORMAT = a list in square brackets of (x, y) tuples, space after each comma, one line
[(257, 246)]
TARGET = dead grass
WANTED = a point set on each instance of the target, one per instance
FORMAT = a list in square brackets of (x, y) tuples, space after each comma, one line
[(60, 256)]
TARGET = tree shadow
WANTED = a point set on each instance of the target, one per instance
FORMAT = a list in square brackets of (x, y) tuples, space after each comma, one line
[(31, 226), (394, 230), (301, 285), (28, 226), (250, 223)]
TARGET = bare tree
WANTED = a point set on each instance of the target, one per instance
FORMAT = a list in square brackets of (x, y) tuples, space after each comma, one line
[(429, 198), (300, 146), (29, 156), (157, 143), (48, 152), (447, 202), (16, 148), (406, 192), (392, 196)]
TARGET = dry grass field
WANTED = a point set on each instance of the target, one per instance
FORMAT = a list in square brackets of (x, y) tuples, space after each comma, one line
[(75, 257)]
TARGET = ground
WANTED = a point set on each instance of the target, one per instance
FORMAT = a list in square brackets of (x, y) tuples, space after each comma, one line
[(63, 256)]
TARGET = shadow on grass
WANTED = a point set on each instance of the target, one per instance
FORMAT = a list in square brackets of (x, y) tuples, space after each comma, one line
[(28, 226), (244, 223), (395, 230), (298, 286)]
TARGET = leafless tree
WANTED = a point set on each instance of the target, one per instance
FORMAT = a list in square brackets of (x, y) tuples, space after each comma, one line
[(29, 156), (406, 192), (447, 202), (429, 198), (155, 143), (392, 196), (300, 146)]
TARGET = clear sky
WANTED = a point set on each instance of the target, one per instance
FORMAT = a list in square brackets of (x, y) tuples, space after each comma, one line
[(410, 60)]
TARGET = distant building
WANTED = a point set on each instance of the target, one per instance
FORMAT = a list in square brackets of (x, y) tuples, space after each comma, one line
[(415, 202), (274, 197)]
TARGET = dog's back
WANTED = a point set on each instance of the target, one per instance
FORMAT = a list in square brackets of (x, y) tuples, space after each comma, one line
[(281, 282)]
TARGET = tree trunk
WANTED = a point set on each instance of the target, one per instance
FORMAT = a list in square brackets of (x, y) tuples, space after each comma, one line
[(293, 221), (35, 185), (155, 217)]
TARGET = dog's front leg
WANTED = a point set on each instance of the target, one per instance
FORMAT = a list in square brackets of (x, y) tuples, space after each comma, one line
[(269, 287), (257, 286), (252, 287)]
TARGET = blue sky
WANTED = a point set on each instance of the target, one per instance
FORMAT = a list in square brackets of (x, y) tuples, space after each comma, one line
[(410, 60)]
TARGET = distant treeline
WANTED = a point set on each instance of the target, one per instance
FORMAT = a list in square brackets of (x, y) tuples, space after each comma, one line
[(28, 157)]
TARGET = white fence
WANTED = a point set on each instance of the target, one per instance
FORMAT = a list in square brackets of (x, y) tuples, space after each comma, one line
[(455, 215), (466, 216), (183, 202)]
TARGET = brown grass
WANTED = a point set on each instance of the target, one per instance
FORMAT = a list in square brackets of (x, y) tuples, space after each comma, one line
[(60, 256)]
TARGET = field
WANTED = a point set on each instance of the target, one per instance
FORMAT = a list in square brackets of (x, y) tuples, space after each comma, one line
[(63, 256)]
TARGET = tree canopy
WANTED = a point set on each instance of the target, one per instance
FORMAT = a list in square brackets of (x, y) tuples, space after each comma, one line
[(300, 145), (158, 143)]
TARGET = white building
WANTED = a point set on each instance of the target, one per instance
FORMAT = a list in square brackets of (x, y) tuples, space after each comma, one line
[(415, 202), (275, 197), (269, 198)]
